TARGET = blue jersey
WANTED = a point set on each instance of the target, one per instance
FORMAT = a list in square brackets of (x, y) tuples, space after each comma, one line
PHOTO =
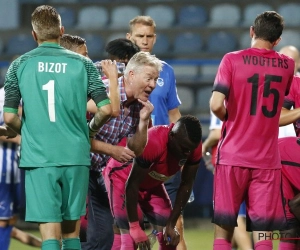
[(164, 97), (9, 173)]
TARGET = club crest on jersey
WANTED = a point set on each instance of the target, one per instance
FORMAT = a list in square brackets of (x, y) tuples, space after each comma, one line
[(182, 162), (160, 82)]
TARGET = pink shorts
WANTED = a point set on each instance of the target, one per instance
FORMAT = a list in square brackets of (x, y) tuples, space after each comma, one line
[(154, 203), (260, 188), (290, 187)]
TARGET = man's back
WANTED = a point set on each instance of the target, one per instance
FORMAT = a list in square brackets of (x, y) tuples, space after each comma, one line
[(254, 82), (54, 85)]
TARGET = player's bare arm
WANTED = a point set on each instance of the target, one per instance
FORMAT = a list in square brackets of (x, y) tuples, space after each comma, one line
[(135, 178), (8, 135), (188, 174), (288, 116), (217, 105), (13, 121), (174, 115), (138, 141), (101, 117), (110, 70), (119, 153), (211, 140)]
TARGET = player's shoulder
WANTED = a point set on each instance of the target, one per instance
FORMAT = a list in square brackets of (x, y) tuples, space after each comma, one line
[(158, 134), (296, 79), (159, 130), (166, 66)]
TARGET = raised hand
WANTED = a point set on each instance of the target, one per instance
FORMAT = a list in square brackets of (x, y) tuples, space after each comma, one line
[(146, 111)]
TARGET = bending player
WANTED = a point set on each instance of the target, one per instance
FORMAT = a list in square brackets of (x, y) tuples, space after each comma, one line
[(289, 148), (168, 149)]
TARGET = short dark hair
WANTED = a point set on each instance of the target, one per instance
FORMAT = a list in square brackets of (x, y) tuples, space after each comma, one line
[(193, 127), (268, 26), (121, 48), (71, 42)]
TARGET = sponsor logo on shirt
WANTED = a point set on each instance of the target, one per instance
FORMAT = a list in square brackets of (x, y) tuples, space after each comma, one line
[(158, 176), (160, 82)]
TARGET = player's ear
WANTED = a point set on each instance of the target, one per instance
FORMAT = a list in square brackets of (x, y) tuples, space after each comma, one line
[(277, 41), (34, 35), (62, 30)]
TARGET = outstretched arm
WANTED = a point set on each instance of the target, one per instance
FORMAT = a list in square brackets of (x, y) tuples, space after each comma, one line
[(188, 175), (134, 180), (119, 153), (288, 116), (26, 238), (211, 140), (13, 121)]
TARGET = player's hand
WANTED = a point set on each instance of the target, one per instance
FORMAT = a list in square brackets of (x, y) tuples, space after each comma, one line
[(109, 68), (139, 236), (8, 132), (146, 111), (122, 154), (171, 235)]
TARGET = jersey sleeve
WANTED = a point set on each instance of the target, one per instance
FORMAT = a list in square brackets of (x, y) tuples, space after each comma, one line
[(173, 98), (195, 157), (96, 88), (224, 76), (12, 90)]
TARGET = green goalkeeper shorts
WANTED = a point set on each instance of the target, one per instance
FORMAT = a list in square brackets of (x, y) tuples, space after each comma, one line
[(54, 194)]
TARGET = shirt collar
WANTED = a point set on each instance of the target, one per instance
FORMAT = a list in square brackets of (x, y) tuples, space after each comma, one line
[(50, 44)]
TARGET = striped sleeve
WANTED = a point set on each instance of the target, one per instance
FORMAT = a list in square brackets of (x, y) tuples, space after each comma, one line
[(11, 87), (96, 88)]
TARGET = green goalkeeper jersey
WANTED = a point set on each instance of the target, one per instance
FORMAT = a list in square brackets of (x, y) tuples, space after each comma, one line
[(53, 84)]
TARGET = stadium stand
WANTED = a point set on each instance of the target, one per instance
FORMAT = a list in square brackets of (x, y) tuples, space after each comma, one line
[(192, 15), (92, 17), (224, 15), (163, 15)]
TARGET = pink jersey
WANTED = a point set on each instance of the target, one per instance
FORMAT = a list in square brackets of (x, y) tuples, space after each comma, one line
[(254, 82), (293, 100), (162, 166), (290, 159)]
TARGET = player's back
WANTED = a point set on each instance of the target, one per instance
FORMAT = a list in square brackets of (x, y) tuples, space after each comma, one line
[(53, 83), (255, 82), (164, 97)]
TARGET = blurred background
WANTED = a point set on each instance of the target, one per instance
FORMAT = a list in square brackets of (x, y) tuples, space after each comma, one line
[(192, 36)]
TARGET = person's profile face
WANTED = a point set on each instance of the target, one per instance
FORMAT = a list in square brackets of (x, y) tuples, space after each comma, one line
[(143, 82), (143, 36)]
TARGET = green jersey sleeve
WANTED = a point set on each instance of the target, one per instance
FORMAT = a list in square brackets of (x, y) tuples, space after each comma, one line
[(96, 88)]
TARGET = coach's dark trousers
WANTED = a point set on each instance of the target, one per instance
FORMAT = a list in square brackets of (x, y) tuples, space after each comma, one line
[(100, 233)]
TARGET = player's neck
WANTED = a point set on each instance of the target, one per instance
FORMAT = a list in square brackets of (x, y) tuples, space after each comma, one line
[(262, 44)]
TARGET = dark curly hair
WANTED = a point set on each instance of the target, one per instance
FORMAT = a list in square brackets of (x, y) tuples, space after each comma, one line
[(193, 127)]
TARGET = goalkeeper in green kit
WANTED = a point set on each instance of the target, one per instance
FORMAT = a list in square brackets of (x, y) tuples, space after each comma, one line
[(54, 84)]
